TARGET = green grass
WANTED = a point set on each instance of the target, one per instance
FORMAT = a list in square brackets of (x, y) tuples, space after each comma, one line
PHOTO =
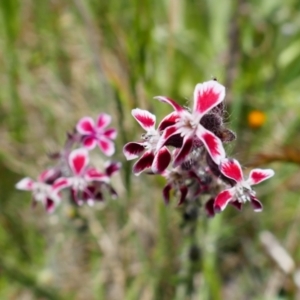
[(61, 60)]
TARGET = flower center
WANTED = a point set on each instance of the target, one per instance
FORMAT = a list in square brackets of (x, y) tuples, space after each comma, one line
[(151, 139), (187, 123), (79, 183), (41, 191), (242, 193)]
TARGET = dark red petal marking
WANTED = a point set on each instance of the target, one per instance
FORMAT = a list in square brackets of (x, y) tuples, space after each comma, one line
[(93, 174), (133, 150), (238, 205), (45, 175), (167, 121), (258, 175), (106, 145), (88, 194), (112, 167), (85, 125), (256, 204), (184, 151), (161, 160), (89, 142), (209, 208), (222, 200), (167, 100), (232, 169), (143, 163), (212, 144), (166, 193), (78, 160), (144, 118), (61, 183), (110, 133), (183, 193), (208, 95), (113, 192), (168, 132), (49, 205), (103, 120)]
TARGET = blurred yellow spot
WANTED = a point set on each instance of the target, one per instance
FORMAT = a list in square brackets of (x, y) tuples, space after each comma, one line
[(256, 118), (71, 213)]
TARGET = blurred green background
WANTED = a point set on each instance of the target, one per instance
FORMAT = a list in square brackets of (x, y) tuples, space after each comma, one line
[(62, 60)]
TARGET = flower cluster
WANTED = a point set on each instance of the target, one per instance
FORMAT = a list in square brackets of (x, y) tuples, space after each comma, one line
[(191, 140), (72, 169)]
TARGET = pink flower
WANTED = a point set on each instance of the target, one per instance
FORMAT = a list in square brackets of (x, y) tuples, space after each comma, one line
[(157, 160), (241, 192), (94, 191), (82, 177), (94, 134), (41, 189), (206, 96)]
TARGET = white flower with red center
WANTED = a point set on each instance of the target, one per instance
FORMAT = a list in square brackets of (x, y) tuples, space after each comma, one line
[(82, 174), (41, 189), (206, 96), (159, 160), (97, 134), (241, 192)]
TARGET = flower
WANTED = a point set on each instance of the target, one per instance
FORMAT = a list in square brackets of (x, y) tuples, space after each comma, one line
[(83, 176), (157, 160), (206, 96), (42, 190), (241, 192), (94, 134), (94, 191)]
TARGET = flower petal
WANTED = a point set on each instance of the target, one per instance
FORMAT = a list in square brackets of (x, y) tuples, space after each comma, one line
[(49, 205), (209, 208), (184, 151), (207, 95), (256, 176), (167, 100), (232, 169), (78, 160), (85, 126), (132, 150), (144, 162), (183, 193), (223, 199), (61, 183), (46, 175), (110, 133), (167, 121), (166, 193), (25, 184), (212, 144), (238, 205), (112, 191), (112, 167), (92, 174), (106, 145), (89, 142), (161, 160), (168, 132), (256, 204), (103, 120), (144, 118)]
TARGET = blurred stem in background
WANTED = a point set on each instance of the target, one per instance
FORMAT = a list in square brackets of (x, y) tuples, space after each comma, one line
[(10, 12)]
